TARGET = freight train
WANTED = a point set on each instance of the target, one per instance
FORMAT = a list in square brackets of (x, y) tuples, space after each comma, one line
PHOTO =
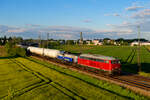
[(100, 62)]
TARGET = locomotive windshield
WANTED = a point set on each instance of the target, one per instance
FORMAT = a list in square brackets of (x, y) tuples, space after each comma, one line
[(115, 62)]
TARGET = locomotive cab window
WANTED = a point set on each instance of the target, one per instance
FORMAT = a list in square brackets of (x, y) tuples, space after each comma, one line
[(84, 58), (92, 59), (115, 62), (81, 57), (100, 60), (106, 61)]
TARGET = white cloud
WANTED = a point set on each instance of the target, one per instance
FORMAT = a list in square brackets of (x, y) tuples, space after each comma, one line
[(3, 28), (114, 14), (131, 28), (116, 31), (33, 25), (143, 14), (19, 30), (62, 32), (140, 15), (133, 8)]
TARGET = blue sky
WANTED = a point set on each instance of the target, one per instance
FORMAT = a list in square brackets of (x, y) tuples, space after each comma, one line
[(65, 18)]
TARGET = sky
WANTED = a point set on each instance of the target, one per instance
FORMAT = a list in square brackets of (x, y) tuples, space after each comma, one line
[(65, 19)]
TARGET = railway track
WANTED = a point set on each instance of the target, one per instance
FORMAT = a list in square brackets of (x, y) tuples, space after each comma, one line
[(133, 82)]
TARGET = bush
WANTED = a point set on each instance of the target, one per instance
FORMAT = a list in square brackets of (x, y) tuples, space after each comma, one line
[(20, 52), (12, 50), (9, 47)]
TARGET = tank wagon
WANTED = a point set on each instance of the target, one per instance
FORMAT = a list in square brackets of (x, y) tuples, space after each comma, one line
[(68, 57), (51, 53), (100, 62), (45, 52), (36, 50)]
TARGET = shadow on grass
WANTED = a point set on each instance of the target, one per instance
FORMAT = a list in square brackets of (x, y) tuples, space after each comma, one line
[(8, 57), (127, 65), (133, 68)]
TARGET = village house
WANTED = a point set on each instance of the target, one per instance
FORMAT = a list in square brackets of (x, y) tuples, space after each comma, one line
[(97, 42), (135, 43)]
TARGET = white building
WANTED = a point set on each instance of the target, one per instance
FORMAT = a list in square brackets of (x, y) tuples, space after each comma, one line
[(88, 42), (141, 43), (134, 43), (145, 43), (97, 42)]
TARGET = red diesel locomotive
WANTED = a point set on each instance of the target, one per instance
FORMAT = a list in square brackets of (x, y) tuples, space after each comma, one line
[(104, 63)]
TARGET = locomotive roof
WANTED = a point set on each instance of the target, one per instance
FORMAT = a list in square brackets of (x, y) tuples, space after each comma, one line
[(98, 56)]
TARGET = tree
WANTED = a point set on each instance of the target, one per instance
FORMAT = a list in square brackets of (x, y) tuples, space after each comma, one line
[(106, 39), (70, 42), (20, 52), (53, 44), (9, 39), (13, 51), (4, 40), (1, 41), (19, 39), (9, 47), (120, 39)]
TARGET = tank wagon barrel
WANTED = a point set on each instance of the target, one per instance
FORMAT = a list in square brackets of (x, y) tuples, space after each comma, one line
[(45, 52), (51, 53), (35, 50)]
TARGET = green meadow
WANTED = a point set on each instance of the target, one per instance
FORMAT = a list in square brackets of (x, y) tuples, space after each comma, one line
[(127, 55), (32, 79)]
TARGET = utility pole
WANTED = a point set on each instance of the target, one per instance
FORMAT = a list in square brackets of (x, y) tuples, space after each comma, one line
[(39, 39), (47, 39), (81, 42), (43, 44), (81, 38), (138, 50)]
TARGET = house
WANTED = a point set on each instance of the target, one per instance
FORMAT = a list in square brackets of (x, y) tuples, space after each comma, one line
[(97, 42), (141, 43), (88, 42), (134, 43), (145, 43)]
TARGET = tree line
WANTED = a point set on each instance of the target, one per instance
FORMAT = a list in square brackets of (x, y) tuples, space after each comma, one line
[(4, 40), (11, 48)]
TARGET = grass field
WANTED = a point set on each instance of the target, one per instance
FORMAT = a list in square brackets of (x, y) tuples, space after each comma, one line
[(127, 55), (31, 79), (26, 79)]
